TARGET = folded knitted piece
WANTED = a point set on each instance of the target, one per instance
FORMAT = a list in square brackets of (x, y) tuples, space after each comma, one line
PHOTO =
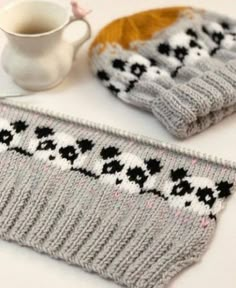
[(128, 208), (178, 63)]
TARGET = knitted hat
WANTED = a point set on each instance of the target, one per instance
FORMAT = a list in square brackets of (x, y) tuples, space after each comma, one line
[(128, 208), (178, 63)]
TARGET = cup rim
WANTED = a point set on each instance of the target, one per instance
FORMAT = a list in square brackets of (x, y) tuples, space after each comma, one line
[(14, 4)]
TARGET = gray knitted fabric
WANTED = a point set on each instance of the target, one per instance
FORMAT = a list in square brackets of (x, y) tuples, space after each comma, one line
[(184, 74), (128, 208)]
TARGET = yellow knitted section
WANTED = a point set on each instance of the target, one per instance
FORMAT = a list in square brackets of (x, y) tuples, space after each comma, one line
[(140, 26)]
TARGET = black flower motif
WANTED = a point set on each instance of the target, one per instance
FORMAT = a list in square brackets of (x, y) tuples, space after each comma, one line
[(206, 195), (112, 167), (43, 131), (181, 53), (119, 64), (69, 153), (46, 145), (19, 126), (138, 69), (153, 166), (178, 174), (164, 48), (137, 175), (85, 145), (184, 187), (109, 152), (224, 188), (5, 137), (217, 37), (103, 76)]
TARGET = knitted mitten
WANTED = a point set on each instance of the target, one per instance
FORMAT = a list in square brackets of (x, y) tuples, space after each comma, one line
[(128, 208), (168, 64)]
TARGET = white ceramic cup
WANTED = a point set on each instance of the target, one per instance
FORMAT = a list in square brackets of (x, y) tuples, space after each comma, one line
[(37, 56)]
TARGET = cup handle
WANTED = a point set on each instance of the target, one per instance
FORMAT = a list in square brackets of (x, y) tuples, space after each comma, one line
[(78, 43)]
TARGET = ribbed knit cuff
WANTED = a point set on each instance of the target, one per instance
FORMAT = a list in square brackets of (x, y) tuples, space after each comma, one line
[(189, 108), (134, 241)]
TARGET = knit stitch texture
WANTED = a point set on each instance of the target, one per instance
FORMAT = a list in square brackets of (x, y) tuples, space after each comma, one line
[(177, 63), (130, 209)]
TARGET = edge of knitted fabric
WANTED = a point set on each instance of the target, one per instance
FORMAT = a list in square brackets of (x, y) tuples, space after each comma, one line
[(126, 134), (137, 238)]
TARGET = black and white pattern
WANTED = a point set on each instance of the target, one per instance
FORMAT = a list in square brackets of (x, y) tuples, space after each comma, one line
[(59, 148), (198, 194), (222, 34), (11, 133), (183, 48), (120, 169), (127, 72), (127, 171)]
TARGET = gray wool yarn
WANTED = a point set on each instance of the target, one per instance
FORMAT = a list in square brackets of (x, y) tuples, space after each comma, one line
[(131, 209), (183, 74)]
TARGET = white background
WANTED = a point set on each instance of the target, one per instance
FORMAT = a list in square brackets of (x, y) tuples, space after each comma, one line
[(83, 96)]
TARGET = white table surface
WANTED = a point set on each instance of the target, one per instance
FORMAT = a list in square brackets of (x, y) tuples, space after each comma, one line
[(83, 96)]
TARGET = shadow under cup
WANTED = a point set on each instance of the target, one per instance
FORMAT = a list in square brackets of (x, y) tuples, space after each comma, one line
[(33, 17)]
